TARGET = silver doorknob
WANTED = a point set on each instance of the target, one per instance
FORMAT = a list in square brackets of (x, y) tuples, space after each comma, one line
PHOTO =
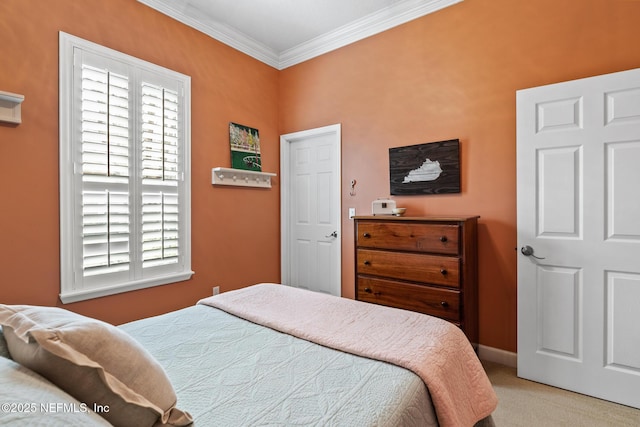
[(528, 251), (334, 234)]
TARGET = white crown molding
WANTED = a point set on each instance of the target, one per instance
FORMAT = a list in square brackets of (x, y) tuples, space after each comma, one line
[(375, 23), (220, 32), (382, 20)]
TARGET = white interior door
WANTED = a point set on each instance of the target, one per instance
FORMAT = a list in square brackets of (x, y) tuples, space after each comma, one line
[(310, 209), (578, 171)]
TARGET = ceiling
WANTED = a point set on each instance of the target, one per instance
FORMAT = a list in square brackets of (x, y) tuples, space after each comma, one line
[(282, 33)]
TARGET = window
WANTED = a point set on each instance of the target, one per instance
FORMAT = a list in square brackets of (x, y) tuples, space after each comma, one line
[(124, 172)]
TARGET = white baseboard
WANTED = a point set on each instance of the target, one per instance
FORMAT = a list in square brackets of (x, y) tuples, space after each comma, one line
[(496, 355)]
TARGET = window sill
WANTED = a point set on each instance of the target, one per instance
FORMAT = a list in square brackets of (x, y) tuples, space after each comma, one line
[(84, 294)]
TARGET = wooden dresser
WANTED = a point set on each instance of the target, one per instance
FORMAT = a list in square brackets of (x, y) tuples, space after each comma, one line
[(423, 264)]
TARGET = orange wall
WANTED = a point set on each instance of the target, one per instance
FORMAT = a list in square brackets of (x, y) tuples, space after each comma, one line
[(235, 231), (454, 74), (451, 74)]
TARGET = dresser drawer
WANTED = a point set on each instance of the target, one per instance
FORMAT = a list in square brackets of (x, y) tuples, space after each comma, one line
[(439, 270), (434, 238), (442, 303)]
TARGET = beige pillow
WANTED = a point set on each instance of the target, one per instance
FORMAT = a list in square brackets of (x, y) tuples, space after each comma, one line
[(95, 362), (31, 400)]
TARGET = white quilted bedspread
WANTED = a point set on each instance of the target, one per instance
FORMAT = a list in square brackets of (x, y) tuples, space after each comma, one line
[(231, 372), (434, 349)]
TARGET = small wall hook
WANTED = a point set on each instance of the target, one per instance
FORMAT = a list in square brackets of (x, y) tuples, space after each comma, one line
[(352, 192)]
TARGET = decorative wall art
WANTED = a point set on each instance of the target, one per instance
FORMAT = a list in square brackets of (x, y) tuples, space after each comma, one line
[(245, 147), (432, 168)]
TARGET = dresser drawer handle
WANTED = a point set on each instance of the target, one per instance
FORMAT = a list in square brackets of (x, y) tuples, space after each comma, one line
[(367, 290), (443, 239), (367, 235), (444, 304), (367, 262), (443, 271)]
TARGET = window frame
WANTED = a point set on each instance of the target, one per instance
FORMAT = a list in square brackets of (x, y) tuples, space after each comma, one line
[(73, 286)]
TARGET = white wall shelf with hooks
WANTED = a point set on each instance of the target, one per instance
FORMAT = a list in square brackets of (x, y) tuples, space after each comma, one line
[(241, 178), (10, 110)]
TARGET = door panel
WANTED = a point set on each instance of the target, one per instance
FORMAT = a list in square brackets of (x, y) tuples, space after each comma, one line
[(578, 151), (623, 295), (623, 106), (559, 197), (623, 201), (559, 114), (559, 290)]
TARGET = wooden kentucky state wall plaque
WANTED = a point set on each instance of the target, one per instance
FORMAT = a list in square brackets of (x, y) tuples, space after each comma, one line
[(432, 168)]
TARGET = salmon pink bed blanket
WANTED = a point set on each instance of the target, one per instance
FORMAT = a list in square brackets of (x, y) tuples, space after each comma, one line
[(434, 349)]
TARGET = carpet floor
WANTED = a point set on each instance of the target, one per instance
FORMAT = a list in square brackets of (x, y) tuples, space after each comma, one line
[(524, 403)]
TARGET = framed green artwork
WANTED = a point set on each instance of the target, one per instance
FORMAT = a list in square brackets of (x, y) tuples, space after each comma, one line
[(245, 147)]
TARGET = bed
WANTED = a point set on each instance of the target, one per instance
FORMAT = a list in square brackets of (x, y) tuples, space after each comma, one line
[(280, 356)]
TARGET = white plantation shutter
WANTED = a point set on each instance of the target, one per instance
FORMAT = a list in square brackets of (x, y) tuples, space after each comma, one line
[(105, 232), (159, 135), (105, 123), (160, 204), (160, 244), (105, 160), (124, 178)]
